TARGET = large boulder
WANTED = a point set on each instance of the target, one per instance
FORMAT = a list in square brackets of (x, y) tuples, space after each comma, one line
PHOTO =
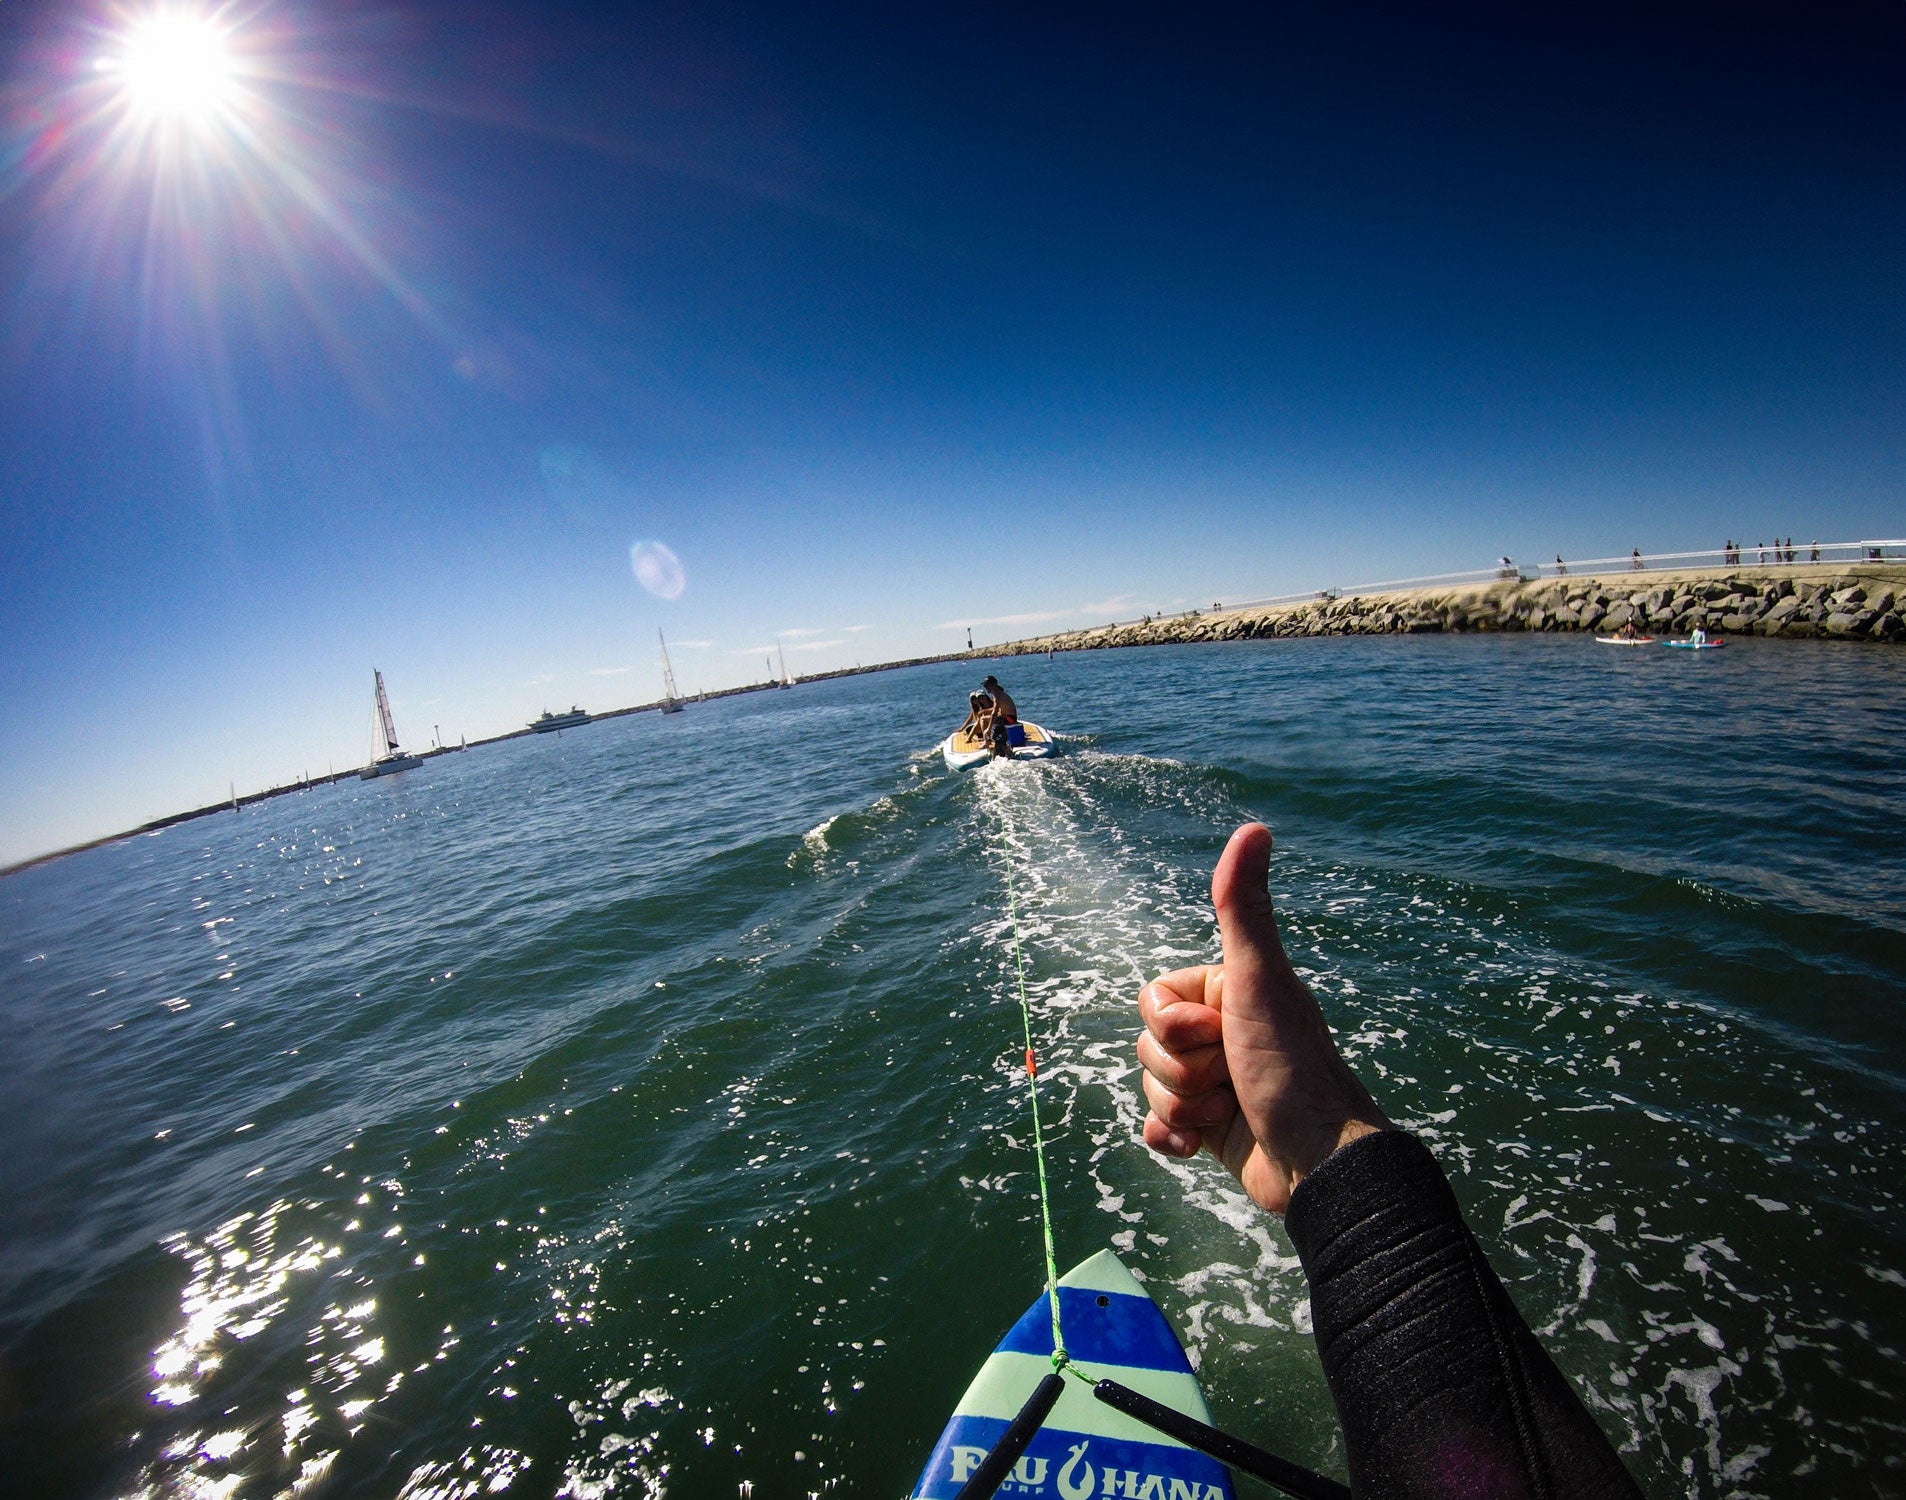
[(1841, 622)]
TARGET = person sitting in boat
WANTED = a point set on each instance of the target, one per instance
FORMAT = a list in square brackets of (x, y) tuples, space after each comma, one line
[(1629, 632), (979, 717), (1007, 730), (1699, 637), (1440, 1387)]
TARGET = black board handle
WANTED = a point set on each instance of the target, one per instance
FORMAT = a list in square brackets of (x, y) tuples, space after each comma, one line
[(994, 1468), (1277, 1472)]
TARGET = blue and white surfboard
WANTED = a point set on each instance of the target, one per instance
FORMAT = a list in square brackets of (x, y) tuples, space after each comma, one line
[(1085, 1448)]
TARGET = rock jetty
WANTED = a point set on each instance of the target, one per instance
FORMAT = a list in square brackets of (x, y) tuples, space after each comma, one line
[(1859, 602)]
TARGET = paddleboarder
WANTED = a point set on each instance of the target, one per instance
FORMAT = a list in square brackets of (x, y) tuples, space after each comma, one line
[(1440, 1387)]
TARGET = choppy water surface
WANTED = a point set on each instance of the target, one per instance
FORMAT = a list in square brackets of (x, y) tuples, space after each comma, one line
[(637, 1112)]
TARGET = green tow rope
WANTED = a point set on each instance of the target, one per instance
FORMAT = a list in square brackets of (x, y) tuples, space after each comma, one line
[(1059, 1357)]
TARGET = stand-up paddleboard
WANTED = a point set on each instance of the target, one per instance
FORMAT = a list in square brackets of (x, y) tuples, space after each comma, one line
[(1695, 645), (1624, 640), (963, 752), (1084, 1448)]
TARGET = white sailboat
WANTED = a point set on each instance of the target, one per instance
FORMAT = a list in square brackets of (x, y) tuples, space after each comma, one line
[(388, 757), (786, 681), (671, 700)]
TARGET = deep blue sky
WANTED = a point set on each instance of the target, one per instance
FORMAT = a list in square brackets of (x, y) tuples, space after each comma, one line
[(885, 319)]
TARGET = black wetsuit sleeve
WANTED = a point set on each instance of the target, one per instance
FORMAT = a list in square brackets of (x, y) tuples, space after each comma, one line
[(1441, 1389)]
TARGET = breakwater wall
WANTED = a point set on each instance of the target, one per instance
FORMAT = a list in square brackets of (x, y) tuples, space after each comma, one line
[(1851, 602)]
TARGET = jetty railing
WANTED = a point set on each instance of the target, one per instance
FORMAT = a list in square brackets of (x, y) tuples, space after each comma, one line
[(1761, 556)]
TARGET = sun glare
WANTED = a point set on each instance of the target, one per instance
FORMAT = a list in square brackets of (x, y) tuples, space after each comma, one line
[(174, 65)]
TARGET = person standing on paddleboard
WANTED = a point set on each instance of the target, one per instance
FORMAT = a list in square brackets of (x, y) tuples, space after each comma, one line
[(1440, 1387)]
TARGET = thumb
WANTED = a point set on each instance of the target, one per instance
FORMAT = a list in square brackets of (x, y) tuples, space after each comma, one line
[(1253, 952)]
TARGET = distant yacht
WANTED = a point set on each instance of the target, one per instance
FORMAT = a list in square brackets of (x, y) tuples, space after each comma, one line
[(671, 700), (384, 738), (551, 721), (786, 681)]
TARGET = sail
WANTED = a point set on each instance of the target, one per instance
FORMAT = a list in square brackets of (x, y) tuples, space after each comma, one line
[(385, 727), (669, 695)]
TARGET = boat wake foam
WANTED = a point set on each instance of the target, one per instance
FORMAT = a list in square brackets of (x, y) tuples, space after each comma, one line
[(1550, 1091)]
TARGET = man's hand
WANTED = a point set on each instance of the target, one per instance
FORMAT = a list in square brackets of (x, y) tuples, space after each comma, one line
[(1237, 1057)]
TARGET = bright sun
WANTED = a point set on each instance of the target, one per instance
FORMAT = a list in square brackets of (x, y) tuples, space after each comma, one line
[(174, 66)]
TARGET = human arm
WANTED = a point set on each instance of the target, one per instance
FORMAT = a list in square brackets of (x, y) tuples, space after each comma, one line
[(1440, 1388)]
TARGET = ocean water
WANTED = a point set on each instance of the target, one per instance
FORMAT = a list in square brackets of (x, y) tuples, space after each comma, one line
[(638, 1112)]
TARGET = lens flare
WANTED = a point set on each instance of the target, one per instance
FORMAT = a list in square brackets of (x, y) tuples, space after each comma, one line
[(174, 65), (200, 182), (658, 570)]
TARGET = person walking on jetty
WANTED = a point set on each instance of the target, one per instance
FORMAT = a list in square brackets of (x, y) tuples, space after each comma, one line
[(1440, 1387), (1635, 563)]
